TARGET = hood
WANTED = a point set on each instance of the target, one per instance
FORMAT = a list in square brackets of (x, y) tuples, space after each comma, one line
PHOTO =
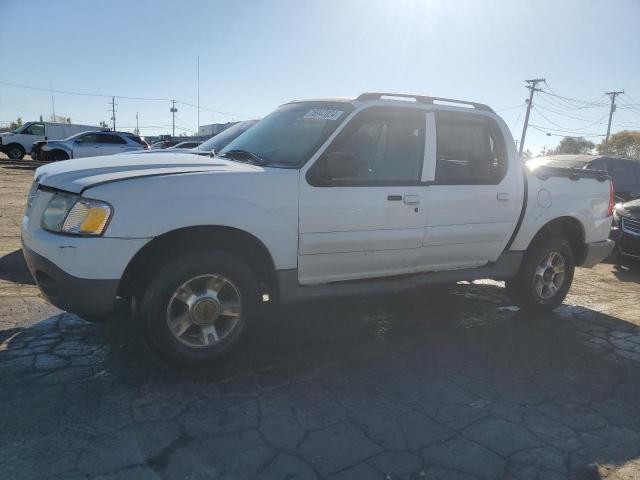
[(629, 209), (79, 174)]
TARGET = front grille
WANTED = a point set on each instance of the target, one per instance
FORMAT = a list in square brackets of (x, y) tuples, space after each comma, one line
[(631, 226)]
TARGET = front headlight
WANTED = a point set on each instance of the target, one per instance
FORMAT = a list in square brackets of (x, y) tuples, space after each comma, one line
[(68, 213)]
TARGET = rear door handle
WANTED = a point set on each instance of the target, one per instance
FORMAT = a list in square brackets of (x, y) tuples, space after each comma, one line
[(411, 199), (502, 197)]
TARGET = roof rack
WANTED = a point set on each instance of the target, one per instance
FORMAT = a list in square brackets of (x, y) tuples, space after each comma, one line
[(422, 99)]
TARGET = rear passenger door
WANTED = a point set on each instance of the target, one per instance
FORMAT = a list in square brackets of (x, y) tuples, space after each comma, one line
[(476, 193), (110, 144)]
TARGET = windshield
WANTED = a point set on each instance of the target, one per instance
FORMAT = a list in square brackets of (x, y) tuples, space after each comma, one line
[(292, 133), (222, 139)]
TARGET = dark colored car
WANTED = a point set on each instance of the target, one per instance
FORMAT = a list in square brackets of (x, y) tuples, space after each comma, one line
[(625, 172), (626, 228)]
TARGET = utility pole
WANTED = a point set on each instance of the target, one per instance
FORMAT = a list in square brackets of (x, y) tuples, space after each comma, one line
[(532, 89), (611, 110), (113, 112), (53, 104), (137, 128), (173, 111), (198, 131)]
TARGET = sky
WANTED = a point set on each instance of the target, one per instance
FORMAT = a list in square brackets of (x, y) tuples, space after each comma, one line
[(256, 55)]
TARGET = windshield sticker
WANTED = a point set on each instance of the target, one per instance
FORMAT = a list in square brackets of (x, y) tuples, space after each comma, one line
[(322, 114)]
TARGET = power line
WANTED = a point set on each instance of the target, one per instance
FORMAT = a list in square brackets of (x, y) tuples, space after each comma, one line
[(599, 121), (124, 97), (547, 129)]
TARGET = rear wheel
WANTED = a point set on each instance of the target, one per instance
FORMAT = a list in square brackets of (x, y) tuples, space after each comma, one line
[(545, 276), (15, 151), (196, 308)]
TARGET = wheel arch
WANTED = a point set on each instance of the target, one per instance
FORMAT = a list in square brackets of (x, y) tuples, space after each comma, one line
[(240, 243), (49, 153), (566, 227)]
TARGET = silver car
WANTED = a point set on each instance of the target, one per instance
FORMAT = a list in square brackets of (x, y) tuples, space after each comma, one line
[(89, 144)]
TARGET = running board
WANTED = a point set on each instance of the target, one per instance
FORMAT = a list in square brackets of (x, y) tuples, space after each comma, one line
[(289, 290)]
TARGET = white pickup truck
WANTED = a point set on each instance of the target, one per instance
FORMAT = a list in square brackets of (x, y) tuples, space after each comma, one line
[(320, 198)]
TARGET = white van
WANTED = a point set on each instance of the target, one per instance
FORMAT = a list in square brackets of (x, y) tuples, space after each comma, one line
[(18, 143)]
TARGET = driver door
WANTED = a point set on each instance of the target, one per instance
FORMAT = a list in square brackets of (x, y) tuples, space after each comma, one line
[(364, 219), (85, 146)]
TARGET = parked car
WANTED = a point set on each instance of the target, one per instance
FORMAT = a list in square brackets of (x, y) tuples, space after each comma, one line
[(90, 144), (626, 229), (214, 144), (320, 198), (185, 145), (625, 172), (221, 140), (18, 143), (164, 144)]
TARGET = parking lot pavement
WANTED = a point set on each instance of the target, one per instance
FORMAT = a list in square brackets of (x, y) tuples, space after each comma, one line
[(435, 385)]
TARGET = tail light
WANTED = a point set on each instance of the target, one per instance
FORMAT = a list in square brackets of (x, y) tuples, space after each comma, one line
[(612, 201)]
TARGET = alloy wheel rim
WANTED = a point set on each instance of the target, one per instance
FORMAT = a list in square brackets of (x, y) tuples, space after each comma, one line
[(204, 310), (550, 275)]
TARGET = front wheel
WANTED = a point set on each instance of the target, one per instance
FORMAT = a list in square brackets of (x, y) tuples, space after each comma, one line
[(196, 308), (15, 152), (545, 276)]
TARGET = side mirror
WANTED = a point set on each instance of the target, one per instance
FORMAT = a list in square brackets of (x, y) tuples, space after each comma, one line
[(79, 140), (341, 165)]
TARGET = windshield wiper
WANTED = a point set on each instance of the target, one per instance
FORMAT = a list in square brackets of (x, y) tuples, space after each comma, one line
[(234, 154)]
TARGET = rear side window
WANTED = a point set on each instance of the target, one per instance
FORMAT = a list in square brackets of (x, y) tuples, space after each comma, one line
[(623, 174), (469, 151), (111, 139)]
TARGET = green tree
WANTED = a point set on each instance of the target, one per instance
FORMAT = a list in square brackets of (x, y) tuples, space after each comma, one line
[(625, 144), (573, 146)]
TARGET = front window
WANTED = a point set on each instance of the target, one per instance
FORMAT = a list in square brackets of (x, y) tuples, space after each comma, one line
[(291, 134), (34, 129)]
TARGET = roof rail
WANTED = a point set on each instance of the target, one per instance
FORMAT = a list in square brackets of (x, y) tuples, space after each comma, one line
[(423, 99)]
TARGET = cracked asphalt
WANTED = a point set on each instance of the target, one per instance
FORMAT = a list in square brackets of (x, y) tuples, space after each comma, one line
[(440, 384)]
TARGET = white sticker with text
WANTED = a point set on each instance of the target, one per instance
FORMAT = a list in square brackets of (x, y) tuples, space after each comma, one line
[(322, 114)]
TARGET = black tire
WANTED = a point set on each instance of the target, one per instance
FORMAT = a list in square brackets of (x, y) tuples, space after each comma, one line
[(160, 291), (56, 156), (15, 151), (522, 289)]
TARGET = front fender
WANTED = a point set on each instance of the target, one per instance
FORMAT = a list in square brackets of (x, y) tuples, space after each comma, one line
[(149, 207)]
